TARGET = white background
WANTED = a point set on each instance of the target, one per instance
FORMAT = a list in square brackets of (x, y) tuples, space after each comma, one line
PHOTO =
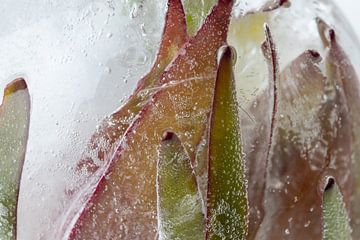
[(351, 9)]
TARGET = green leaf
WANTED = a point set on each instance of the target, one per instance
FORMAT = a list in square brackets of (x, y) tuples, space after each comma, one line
[(336, 220), (179, 204), (227, 196), (247, 35), (196, 12), (14, 126)]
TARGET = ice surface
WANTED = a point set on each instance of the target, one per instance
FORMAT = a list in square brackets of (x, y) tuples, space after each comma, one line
[(80, 59)]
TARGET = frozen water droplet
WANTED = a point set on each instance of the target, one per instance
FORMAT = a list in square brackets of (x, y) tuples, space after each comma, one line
[(109, 35), (143, 30), (108, 70), (134, 11)]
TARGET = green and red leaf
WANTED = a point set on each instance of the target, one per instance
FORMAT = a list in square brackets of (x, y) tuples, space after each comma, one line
[(113, 128), (124, 203)]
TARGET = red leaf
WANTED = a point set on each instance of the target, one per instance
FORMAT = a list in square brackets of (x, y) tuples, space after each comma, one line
[(124, 204), (114, 127)]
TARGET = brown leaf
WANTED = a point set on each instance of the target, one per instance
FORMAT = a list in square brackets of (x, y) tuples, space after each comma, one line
[(341, 70), (291, 197), (262, 133)]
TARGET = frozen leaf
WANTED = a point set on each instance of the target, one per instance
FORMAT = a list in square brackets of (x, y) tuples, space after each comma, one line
[(336, 220), (297, 110), (124, 202), (113, 128), (255, 92), (227, 197), (259, 135), (179, 206), (14, 127), (311, 138), (340, 68)]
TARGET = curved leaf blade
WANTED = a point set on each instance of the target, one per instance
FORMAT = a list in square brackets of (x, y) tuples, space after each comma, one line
[(14, 127)]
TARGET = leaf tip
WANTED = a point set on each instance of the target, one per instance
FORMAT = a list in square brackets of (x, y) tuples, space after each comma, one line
[(327, 34), (14, 86), (168, 136), (314, 55), (268, 46), (329, 184)]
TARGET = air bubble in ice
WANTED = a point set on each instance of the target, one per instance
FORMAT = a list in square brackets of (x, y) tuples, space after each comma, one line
[(143, 30), (134, 11), (108, 70), (109, 35)]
